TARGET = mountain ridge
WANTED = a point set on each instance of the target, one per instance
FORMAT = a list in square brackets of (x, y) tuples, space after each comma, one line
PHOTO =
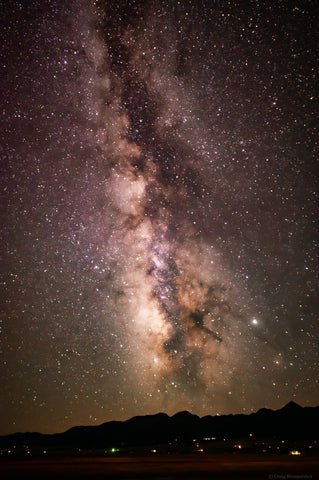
[(291, 421)]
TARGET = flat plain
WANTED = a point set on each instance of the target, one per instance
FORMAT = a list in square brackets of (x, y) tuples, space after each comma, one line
[(202, 467)]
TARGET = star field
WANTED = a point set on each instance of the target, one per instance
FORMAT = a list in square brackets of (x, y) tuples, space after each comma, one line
[(159, 241)]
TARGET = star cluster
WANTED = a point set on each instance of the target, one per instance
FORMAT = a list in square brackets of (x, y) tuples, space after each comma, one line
[(159, 194)]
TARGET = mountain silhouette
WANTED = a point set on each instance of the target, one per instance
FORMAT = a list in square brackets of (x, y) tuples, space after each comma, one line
[(291, 422), (291, 407)]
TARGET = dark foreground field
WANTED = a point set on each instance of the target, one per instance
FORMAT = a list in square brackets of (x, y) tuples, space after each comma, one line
[(160, 468)]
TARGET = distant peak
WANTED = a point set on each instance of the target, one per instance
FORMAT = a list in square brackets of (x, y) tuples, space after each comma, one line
[(183, 415), (183, 412), (291, 406)]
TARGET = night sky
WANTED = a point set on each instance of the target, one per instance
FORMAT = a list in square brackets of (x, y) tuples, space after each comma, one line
[(159, 240)]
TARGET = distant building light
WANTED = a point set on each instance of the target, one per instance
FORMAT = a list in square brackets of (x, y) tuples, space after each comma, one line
[(113, 450), (294, 452)]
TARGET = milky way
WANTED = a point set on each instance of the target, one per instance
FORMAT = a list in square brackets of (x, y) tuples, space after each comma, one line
[(159, 239)]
